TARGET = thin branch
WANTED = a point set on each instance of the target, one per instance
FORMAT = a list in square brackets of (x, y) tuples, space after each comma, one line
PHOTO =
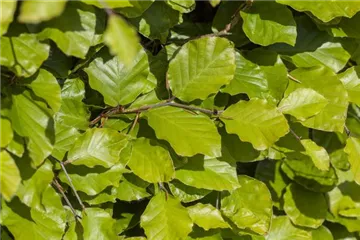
[(61, 190), (292, 78), (107, 9), (295, 135), (134, 123), (72, 185), (347, 130)]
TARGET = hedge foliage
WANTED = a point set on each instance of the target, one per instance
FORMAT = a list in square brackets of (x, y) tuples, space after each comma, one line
[(168, 120)]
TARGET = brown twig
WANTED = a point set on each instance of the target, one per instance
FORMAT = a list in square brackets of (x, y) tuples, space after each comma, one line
[(134, 123), (295, 135), (61, 190), (347, 130)]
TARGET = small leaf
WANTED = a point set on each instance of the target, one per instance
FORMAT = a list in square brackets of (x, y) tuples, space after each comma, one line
[(210, 174), (151, 162), (98, 146), (282, 229), (169, 214), (131, 188), (239, 206), (353, 150), (303, 103), (98, 224), (351, 80), (118, 83), (206, 216), (318, 154), (183, 6), (10, 176), (305, 208), (263, 27), (38, 11), (187, 133), (354, 212), (7, 15), (6, 132), (128, 47), (201, 67), (255, 121), (322, 233), (186, 193)]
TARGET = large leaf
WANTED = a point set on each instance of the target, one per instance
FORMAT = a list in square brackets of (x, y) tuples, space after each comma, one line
[(10, 176), (22, 53), (325, 11), (314, 48), (187, 133), (7, 133), (93, 182), (351, 80), (7, 15), (118, 83), (98, 146), (209, 174), (128, 48), (98, 224), (322, 233), (32, 119), (255, 121), (168, 213), (326, 83), (201, 67), (162, 16), (207, 216), (304, 208), (301, 169), (239, 206), (38, 11), (303, 103), (75, 30), (282, 229), (263, 27), (353, 150), (151, 162), (45, 85), (318, 154)]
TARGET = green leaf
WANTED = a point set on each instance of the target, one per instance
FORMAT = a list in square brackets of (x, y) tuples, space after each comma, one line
[(301, 169), (109, 3), (303, 103), (325, 11), (6, 132), (58, 63), (210, 174), (75, 30), (199, 62), (38, 11), (346, 28), (353, 150), (22, 53), (239, 206), (138, 7), (16, 146), (7, 15), (98, 146), (168, 213), (322, 233), (93, 181), (131, 188), (31, 118), (351, 80), (255, 121), (326, 83), (206, 216), (128, 48), (98, 224), (186, 193), (263, 27), (183, 6), (162, 16), (354, 212), (318, 154), (45, 85), (119, 84), (10, 176), (150, 161), (282, 229), (314, 48), (269, 172), (187, 133), (305, 208), (339, 160)]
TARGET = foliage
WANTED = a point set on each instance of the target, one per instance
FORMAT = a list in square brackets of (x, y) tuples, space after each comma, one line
[(168, 120)]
